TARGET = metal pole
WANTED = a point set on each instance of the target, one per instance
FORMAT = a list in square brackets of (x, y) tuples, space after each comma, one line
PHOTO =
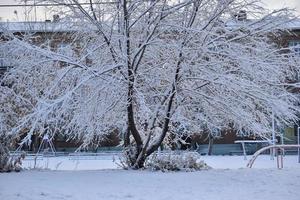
[(273, 130), (273, 137), (244, 151), (35, 19), (25, 11), (298, 137)]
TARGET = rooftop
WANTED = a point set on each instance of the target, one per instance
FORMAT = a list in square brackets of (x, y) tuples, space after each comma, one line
[(41, 26), (49, 26)]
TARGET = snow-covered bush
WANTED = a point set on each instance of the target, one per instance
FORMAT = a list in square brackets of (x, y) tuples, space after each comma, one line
[(7, 162), (186, 161)]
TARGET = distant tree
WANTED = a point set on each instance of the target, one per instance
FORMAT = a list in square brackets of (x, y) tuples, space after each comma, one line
[(139, 65)]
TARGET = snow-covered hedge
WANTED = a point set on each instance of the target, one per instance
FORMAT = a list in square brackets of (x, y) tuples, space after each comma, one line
[(174, 161)]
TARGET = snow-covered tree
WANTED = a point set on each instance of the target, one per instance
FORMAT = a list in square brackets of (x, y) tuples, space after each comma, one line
[(142, 66)]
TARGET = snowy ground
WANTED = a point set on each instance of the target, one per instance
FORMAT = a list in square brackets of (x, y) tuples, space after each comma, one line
[(230, 180), (106, 162)]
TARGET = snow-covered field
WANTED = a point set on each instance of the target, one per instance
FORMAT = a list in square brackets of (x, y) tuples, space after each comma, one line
[(228, 180), (106, 162)]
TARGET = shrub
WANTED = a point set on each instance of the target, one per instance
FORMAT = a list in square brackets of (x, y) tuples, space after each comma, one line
[(9, 163), (174, 161)]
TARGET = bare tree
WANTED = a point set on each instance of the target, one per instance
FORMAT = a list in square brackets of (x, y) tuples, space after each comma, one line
[(144, 65)]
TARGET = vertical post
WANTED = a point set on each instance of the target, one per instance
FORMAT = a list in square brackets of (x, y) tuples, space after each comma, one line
[(244, 150), (25, 11), (282, 137), (272, 152), (279, 153), (276, 150), (298, 139), (34, 10)]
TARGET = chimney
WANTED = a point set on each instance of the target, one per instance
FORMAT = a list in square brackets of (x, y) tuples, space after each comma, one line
[(241, 15), (56, 18)]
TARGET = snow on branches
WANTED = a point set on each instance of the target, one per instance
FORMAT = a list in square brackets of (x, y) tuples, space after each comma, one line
[(140, 65)]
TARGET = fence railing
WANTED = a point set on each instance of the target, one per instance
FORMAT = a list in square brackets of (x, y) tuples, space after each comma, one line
[(279, 151)]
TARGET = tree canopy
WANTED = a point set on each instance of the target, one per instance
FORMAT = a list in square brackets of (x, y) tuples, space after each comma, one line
[(142, 65)]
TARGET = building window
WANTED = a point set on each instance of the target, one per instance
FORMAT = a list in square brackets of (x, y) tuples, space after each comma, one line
[(295, 46)]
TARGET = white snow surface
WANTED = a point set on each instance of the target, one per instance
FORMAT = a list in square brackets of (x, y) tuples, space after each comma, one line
[(68, 163), (228, 180), (106, 162)]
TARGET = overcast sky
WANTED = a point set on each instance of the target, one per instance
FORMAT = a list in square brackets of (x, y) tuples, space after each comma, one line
[(8, 13)]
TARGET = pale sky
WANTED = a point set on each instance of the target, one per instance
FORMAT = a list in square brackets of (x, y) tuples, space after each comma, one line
[(7, 13)]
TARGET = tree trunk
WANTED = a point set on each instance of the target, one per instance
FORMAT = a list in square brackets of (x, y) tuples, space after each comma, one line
[(4, 158), (144, 151)]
